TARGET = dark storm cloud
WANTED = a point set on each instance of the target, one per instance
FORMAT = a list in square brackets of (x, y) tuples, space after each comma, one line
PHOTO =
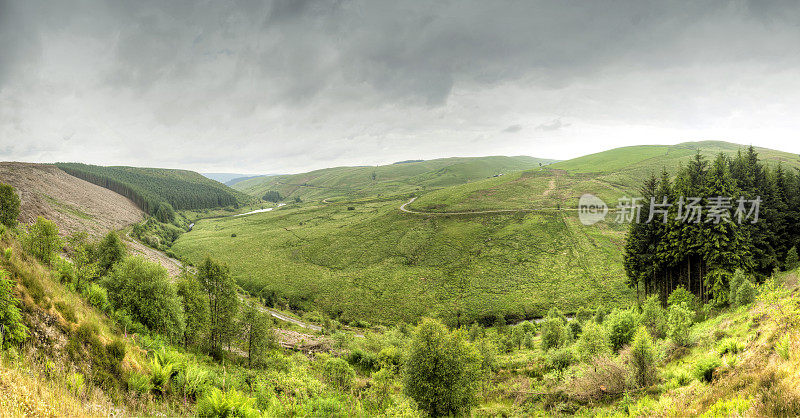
[(292, 84)]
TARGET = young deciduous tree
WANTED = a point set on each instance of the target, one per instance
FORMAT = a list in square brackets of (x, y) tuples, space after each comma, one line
[(642, 359), (195, 309), (42, 240), (110, 251), (679, 320), (257, 333), (223, 302), (9, 205), (442, 370), (144, 290)]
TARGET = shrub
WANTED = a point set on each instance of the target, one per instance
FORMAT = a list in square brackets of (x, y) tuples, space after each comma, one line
[(42, 240), (390, 358), (98, 297), (363, 360), (654, 317), (441, 371), (139, 383), (75, 383), (792, 260), (110, 251), (621, 325), (602, 378), (746, 294), (14, 331), (192, 380), (729, 346), (679, 320), (704, 368), (681, 295), (339, 373), (642, 359), (593, 342), (783, 347), (144, 290), (9, 205), (554, 333), (560, 359), (583, 315), (226, 404)]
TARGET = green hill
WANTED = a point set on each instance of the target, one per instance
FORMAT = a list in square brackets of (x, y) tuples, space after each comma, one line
[(148, 187), (608, 175), (392, 179)]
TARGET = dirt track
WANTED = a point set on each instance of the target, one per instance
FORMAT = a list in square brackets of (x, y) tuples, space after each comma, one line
[(73, 204)]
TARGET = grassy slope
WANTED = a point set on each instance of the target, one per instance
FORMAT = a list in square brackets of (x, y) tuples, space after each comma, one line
[(379, 264), (608, 175), (352, 182)]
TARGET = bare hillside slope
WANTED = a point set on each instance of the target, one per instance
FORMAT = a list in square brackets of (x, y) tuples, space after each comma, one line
[(74, 204)]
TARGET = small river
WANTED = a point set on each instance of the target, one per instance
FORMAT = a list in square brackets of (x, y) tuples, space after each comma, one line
[(260, 210)]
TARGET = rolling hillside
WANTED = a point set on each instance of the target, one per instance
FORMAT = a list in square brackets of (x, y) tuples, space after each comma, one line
[(609, 175), (148, 187), (393, 179), (74, 204)]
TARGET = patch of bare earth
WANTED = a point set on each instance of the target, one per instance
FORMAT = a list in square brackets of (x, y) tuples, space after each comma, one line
[(73, 204)]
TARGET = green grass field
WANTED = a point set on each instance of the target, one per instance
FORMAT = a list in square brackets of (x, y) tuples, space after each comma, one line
[(377, 263)]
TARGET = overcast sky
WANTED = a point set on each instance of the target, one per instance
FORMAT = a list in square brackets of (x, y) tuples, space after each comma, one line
[(287, 86)]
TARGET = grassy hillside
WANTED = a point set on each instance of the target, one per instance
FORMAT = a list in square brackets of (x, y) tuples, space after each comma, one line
[(608, 175), (405, 177), (376, 263), (148, 187)]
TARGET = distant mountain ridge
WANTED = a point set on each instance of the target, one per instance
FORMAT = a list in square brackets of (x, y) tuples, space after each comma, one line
[(390, 179)]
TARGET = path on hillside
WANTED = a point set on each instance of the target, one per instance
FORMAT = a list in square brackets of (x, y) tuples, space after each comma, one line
[(477, 212)]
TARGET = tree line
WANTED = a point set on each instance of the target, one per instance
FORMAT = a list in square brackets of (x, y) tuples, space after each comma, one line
[(151, 188), (703, 253)]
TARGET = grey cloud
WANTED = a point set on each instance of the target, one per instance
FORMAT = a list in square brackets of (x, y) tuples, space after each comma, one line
[(363, 76), (553, 125)]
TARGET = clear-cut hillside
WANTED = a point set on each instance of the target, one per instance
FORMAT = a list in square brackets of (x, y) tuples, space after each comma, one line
[(74, 204)]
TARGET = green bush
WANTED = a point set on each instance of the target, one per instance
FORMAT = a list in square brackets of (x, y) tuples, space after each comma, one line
[(75, 383), (560, 359), (442, 371), (365, 361), (144, 290), (679, 322), (554, 333), (15, 330), (339, 373), (729, 346), (792, 260), (681, 295), (642, 359), (746, 294), (42, 240), (97, 296), (390, 358), (704, 368), (783, 347), (654, 317), (621, 325), (593, 342), (139, 383), (216, 404), (9, 205)]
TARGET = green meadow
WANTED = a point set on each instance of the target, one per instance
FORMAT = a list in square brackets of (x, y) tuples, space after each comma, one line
[(382, 265)]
